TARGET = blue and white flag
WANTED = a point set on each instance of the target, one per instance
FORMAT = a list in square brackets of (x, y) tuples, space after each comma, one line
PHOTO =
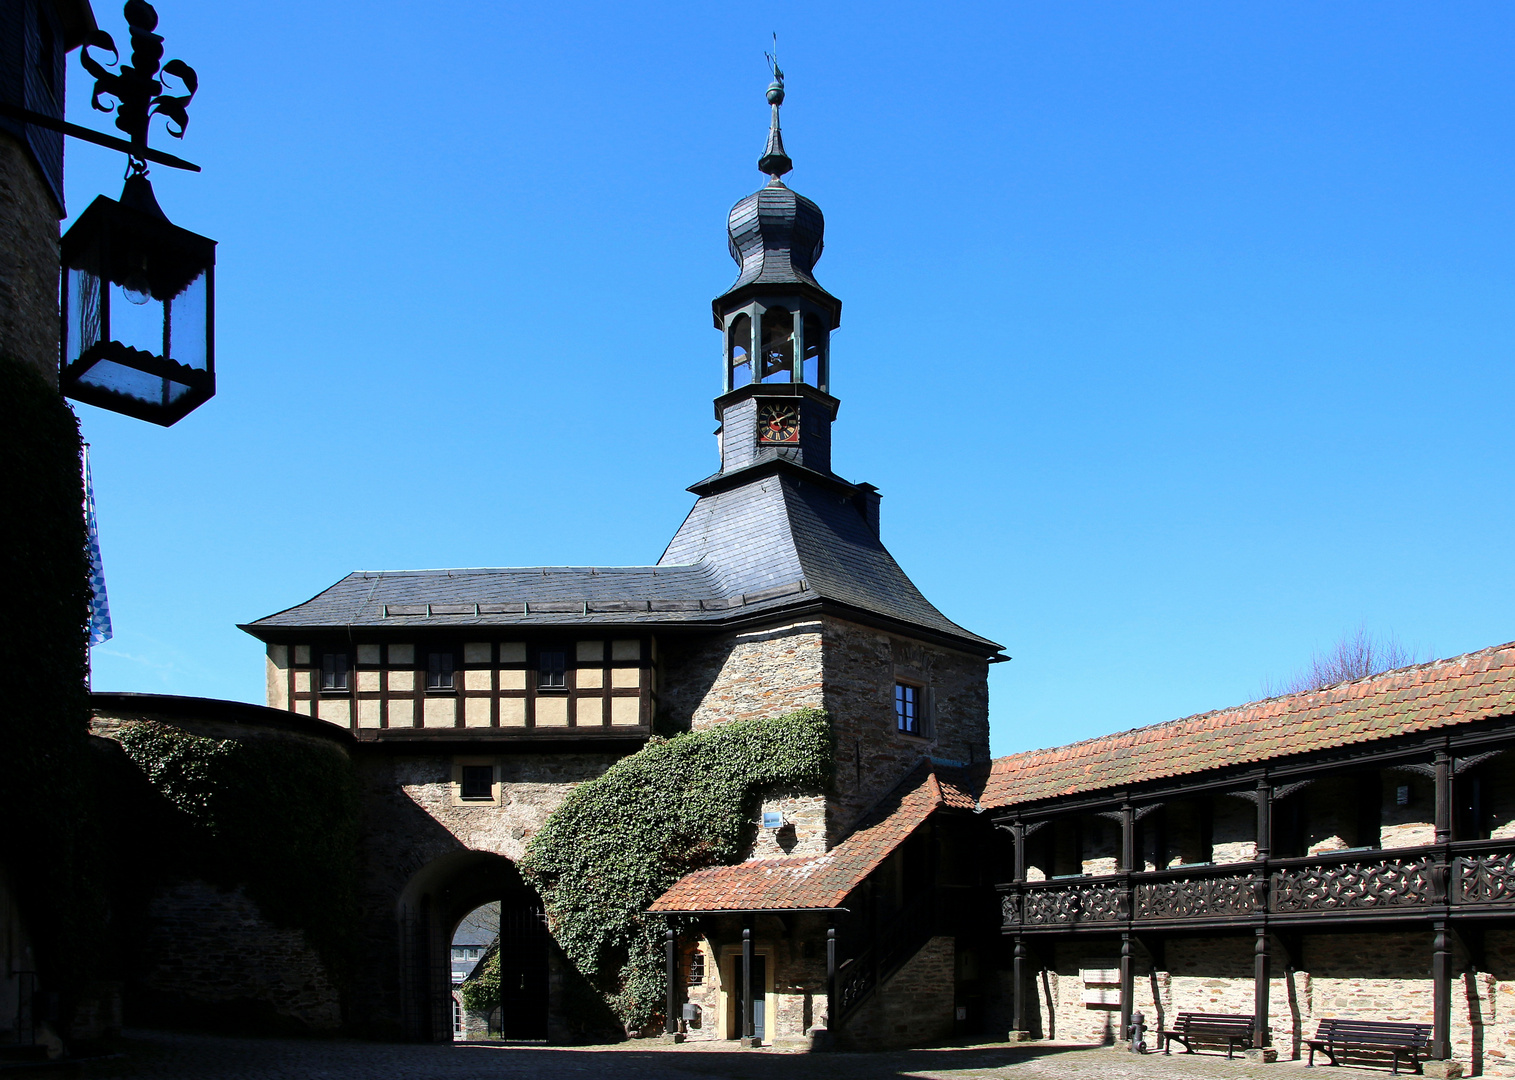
[(99, 604)]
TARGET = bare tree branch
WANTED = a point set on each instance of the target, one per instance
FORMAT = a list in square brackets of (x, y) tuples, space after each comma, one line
[(1355, 655)]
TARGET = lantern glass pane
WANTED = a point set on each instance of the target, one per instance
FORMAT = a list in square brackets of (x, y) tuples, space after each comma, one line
[(83, 312), (138, 385), (184, 342), (139, 326)]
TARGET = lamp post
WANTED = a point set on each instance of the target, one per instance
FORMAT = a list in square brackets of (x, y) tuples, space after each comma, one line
[(138, 296)]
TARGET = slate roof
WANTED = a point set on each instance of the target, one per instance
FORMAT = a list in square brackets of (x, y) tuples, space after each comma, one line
[(821, 881), (1424, 697), (781, 528), (776, 236), (515, 596), (765, 545)]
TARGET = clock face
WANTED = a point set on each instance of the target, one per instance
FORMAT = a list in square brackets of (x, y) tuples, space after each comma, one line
[(778, 422)]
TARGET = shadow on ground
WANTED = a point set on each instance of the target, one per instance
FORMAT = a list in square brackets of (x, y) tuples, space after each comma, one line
[(192, 1056)]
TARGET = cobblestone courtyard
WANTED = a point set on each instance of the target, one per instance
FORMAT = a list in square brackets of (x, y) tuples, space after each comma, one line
[(172, 1056)]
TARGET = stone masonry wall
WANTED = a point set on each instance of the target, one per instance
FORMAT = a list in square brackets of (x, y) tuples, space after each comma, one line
[(914, 1008), (851, 671), (861, 668), (742, 676), (28, 263), (211, 952), (1369, 976)]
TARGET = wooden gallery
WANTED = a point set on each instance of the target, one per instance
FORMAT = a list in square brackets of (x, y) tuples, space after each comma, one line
[(1343, 856)]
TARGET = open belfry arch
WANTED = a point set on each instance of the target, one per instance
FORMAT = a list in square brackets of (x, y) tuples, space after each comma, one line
[(478, 698)]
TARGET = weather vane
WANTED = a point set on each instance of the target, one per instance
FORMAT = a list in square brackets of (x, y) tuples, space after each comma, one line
[(774, 161), (773, 62)]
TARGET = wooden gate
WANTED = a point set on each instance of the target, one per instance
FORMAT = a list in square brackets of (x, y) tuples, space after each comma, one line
[(523, 970)]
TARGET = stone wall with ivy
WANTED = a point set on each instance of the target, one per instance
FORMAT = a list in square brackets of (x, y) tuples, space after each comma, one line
[(619, 841), (248, 890)]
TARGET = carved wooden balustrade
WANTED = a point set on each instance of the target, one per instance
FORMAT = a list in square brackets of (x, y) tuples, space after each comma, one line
[(1470, 877)]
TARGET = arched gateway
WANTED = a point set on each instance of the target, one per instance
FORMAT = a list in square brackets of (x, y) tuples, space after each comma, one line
[(430, 909)]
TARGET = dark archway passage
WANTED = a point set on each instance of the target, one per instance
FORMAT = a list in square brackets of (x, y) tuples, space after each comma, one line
[(433, 903)]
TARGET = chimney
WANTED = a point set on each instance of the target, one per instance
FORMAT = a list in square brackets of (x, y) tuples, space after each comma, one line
[(866, 500)]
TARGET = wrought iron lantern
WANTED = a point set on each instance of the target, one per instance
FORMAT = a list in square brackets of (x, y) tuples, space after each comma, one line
[(138, 291), (138, 309)]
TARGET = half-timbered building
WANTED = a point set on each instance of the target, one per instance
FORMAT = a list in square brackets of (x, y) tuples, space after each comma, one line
[(477, 698)]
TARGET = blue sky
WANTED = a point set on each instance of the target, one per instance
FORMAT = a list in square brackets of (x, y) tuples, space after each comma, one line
[(1178, 337)]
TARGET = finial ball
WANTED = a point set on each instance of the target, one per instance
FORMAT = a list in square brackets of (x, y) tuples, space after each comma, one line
[(776, 93)]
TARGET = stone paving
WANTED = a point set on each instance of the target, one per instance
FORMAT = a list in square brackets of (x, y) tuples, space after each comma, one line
[(175, 1056)]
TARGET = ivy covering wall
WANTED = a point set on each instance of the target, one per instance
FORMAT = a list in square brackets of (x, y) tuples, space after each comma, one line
[(48, 844), (619, 841), (277, 815)]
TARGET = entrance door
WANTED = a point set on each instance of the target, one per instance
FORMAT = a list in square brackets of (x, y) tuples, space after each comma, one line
[(523, 971), (759, 998)]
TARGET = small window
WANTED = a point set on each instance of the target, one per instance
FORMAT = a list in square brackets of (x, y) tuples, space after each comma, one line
[(552, 670), (697, 968), (439, 667), (334, 671), (907, 708), (478, 782)]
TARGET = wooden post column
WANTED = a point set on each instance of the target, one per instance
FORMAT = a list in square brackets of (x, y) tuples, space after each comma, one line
[(671, 949), (831, 980), (1127, 839), (1018, 837), (1127, 984), (747, 1032), (1443, 769), (1264, 821), (1019, 998), (1260, 973), (1441, 982)]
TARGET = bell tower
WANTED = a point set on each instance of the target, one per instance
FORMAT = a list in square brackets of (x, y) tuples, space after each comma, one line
[(776, 323)]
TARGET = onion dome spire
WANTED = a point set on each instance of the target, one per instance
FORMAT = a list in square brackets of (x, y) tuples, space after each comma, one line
[(774, 161)]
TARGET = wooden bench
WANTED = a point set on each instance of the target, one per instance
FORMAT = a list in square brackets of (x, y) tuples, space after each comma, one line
[(1340, 1036), (1210, 1028)]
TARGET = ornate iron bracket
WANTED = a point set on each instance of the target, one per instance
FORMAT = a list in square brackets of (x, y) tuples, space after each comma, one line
[(138, 88)]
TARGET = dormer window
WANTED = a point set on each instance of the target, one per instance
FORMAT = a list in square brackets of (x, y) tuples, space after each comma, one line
[(334, 671), (552, 670), (439, 668)]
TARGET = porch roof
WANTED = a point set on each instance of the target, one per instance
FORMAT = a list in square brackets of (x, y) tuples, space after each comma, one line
[(1424, 697), (820, 882)]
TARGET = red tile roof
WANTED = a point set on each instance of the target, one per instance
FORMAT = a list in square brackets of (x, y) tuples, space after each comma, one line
[(1443, 693), (820, 881)]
